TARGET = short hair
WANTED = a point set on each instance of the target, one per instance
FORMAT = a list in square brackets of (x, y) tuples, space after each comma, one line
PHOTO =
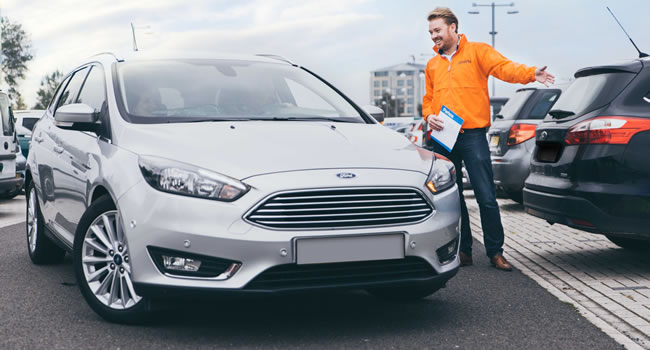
[(444, 13)]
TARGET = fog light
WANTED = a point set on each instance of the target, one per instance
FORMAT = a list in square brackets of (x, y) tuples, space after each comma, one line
[(180, 264), (447, 253)]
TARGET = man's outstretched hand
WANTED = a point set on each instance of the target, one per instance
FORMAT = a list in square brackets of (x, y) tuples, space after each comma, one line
[(544, 77)]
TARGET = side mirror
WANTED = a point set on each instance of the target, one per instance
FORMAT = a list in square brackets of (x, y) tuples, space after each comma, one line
[(77, 116), (76, 113), (375, 112)]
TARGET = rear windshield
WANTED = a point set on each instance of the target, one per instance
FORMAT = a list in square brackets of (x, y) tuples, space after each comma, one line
[(167, 91), (514, 104), (591, 92), (543, 105)]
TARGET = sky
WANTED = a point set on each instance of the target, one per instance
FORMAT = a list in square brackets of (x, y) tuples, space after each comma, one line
[(341, 40)]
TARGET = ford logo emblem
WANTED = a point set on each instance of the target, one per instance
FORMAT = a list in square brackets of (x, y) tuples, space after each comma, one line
[(543, 135), (346, 175)]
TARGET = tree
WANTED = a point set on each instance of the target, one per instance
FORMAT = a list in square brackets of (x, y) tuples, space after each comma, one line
[(19, 104), (46, 91), (392, 106), (16, 52)]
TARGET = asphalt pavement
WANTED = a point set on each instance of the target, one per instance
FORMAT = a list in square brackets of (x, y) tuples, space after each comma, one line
[(481, 308)]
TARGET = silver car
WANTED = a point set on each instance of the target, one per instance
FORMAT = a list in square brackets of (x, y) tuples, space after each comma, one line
[(169, 174)]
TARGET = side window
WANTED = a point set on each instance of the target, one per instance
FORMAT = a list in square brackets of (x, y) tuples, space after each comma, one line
[(69, 95), (93, 92), (57, 92), (544, 105)]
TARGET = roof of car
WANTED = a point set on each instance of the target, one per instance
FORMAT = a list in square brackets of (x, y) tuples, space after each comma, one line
[(632, 66), (160, 54)]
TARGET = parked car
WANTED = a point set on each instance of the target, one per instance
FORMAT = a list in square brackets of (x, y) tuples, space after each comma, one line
[(182, 174), (496, 104), (512, 137), (590, 168), (24, 138), (10, 181), (28, 118)]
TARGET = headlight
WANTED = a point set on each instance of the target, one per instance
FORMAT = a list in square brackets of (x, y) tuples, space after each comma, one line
[(187, 180), (442, 175)]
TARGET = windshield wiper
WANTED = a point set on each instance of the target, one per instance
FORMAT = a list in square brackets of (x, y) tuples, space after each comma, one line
[(560, 113)]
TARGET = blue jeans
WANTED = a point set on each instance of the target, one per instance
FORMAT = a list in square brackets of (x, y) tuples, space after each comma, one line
[(472, 147)]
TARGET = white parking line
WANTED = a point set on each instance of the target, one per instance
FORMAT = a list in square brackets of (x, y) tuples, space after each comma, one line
[(12, 211)]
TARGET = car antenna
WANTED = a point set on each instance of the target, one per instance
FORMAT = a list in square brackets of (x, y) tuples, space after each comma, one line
[(641, 54)]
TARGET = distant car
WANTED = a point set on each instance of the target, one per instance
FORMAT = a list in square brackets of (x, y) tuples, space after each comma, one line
[(9, 180), (24, 138), (591, 168), (28, 118), (397, 123), (512, 137), (496, 103)]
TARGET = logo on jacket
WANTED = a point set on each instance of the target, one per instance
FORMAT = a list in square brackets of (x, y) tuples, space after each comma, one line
[(465, 62), (543, 135), (346, 175)]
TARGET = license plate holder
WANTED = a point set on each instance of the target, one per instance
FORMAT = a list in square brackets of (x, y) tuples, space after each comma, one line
[(349, 248), (494, 140)]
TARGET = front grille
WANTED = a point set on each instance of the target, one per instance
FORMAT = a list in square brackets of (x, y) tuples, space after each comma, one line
[(293, 276), (342, 208)]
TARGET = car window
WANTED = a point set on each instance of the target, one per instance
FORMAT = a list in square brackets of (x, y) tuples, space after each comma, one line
[(56, 94), (590, 92), (194, 90), (543, 105), (29, 123), (93, 92), (511, 109), (71, 91)]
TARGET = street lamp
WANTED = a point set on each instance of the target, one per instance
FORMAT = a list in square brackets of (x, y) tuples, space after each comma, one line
[(493, 32)]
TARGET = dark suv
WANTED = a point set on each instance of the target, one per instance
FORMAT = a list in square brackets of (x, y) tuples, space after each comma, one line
[(512, 137), (591, 166)]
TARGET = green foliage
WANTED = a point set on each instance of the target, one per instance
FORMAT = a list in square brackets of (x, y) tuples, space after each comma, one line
[(46, 91), (16, 53)]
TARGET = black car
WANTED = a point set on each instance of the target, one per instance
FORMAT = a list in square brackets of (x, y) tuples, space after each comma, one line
[(591, 164), (512, 137)]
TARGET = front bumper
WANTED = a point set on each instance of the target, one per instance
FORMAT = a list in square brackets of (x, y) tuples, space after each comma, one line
[(217, 229)]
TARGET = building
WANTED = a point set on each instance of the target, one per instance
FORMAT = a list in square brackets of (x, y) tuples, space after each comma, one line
[(403, 84)]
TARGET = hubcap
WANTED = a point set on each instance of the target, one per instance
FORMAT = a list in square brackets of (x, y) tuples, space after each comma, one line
[(32, 221), (108, 274)]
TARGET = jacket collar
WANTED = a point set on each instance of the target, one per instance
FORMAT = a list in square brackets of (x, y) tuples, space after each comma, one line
[(461, 42)]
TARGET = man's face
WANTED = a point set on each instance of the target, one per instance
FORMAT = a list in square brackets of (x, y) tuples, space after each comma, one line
[(443, 35)]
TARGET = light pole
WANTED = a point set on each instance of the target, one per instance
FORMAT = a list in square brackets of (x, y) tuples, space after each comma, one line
[(493, 32)]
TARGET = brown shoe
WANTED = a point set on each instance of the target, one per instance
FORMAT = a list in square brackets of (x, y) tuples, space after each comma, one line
[(501, 263), (465, 260)]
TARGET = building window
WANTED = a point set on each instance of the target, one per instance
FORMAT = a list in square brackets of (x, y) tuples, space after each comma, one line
[(384, 83), (410, 92), (400, 92), (410, 110), (377, 93), (410, 82), (381, 74), (375, 83), (410, 100), (400, 83)]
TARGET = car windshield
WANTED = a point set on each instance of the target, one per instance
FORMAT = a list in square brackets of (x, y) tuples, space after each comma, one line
[(167, 91)]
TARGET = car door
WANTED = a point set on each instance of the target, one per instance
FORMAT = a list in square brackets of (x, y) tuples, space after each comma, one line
[(7, 140), (63, 177), (77, 158)]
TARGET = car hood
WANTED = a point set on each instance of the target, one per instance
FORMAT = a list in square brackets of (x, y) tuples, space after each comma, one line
[(245, 149)]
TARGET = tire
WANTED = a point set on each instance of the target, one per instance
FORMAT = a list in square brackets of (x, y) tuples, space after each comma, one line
[(102, 265), (630, 243), (517, 196), (42, 250), (403, 293)]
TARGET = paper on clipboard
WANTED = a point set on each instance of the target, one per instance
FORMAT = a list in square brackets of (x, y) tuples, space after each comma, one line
[(448, 135)]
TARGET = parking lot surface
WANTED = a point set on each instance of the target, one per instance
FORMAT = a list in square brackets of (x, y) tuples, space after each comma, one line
[(607, 284), (41, 307)]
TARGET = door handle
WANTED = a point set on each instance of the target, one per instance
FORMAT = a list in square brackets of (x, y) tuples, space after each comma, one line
[(38, 139), (58, 149)]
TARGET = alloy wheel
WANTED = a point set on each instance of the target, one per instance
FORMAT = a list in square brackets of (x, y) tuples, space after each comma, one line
[(32, 220), (106, 263)]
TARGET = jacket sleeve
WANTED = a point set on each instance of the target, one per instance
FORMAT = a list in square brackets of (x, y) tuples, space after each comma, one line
[(495, 64), (427, 100)]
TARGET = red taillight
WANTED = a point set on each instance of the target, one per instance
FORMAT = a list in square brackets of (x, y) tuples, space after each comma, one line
[(520, 133), (420, 127), (606, 130)]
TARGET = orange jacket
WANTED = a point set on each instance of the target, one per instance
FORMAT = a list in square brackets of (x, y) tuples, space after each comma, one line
[(462, 84)]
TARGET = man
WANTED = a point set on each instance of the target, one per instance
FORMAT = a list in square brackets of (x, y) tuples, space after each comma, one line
[(457, 78)]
